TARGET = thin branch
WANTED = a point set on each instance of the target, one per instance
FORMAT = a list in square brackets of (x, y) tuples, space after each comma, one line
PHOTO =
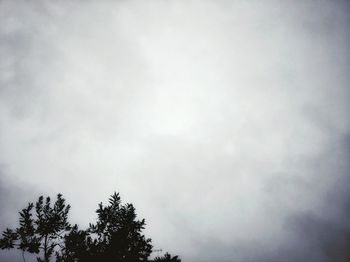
[(24, 260)]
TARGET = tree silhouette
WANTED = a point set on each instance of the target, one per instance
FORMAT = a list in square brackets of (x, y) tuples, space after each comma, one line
[(41, 231), (167, 258), (76, 246), (118, 233), (115, 237)]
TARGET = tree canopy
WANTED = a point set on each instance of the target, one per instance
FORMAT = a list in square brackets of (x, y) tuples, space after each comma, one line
[(116, 236)]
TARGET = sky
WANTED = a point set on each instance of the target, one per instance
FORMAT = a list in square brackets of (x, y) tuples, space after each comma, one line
[(224, 122)]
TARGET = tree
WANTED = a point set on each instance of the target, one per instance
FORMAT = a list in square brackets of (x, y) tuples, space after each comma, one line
[(167, 258), (115, 237), (76, 246), (39, 232)]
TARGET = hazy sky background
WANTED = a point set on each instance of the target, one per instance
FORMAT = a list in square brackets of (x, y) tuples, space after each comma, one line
[(224, 122)]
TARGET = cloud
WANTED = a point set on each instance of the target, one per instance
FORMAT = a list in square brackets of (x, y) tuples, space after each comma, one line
[(225, 123)]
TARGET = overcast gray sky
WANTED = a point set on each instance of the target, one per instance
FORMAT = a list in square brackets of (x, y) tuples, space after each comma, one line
[(224, 122)]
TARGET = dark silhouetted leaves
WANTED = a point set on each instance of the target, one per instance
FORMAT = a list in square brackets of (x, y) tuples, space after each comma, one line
[(115, 237), (167, 258), (42, 232)]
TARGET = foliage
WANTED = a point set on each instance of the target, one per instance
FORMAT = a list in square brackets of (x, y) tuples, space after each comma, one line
[(40, 231), (76, 246), (116, 236), (167, 258)]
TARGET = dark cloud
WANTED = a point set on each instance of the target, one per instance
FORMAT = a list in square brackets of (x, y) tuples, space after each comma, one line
[(325, 235)]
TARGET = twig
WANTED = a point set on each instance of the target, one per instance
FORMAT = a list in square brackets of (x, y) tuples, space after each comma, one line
[(24, 260)]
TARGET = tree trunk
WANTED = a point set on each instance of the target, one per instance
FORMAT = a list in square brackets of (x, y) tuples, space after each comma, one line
[(46, 258)]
